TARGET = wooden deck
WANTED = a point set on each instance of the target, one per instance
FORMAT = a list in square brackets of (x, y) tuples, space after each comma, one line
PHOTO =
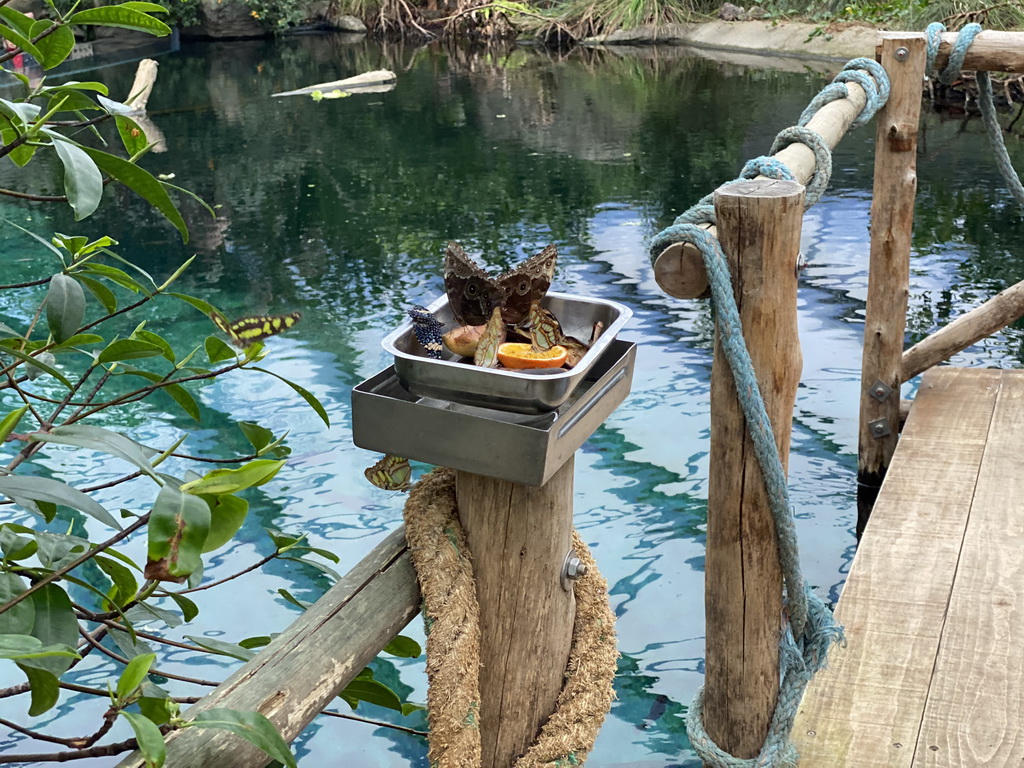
[(933, 671)]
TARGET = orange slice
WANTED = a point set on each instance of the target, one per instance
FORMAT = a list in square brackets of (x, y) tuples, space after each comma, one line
[(516, 355)]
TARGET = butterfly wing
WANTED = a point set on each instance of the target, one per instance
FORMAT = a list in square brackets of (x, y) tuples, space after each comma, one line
[(248, 330), (527, 283), (472, 293), (486, 355), (544, 331), (391, 473), (428, 330)]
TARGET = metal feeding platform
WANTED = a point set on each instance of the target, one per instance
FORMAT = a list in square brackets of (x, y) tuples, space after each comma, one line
[(508, 425)]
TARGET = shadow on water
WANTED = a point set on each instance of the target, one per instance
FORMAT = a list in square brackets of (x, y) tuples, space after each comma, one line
[(342, 208)]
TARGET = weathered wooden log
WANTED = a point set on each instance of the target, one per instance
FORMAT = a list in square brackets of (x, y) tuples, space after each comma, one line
[(307, 665), (519, 536), (991, 50), (145, 77), (970, 328), (679, 270), (892, 220), (759, 227), (378, 81)]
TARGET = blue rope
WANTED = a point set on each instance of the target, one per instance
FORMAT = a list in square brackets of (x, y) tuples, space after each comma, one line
[(985, 100), (809, 628)]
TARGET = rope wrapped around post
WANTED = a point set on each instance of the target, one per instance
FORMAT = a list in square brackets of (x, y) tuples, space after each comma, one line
[(443, 563), (809, 628), (985, 99)]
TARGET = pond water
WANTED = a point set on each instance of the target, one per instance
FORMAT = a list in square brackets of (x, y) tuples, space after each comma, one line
[(342, 208)]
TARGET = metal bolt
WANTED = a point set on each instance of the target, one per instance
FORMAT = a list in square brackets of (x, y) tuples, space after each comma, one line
[(902, 54), (879, 392), (573, 569), (879, 428)]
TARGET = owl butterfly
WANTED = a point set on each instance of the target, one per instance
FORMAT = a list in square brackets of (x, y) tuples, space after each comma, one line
[(473, 294), (248, 330), (391, 473)]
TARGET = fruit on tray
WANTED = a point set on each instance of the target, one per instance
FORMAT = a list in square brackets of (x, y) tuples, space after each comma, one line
[(525, 356)]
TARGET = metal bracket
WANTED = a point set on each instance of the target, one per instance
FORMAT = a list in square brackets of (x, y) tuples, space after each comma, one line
[(572, 570), (879, 428), (880, 390)]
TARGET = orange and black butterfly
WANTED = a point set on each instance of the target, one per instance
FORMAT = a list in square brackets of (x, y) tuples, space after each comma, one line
[(391, 473), (248, 330)]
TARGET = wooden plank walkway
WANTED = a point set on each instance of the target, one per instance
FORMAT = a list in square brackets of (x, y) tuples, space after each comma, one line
[(933, 670)]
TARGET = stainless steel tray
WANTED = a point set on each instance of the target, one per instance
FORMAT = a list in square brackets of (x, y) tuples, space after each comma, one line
[(516, 391), (522, 448)]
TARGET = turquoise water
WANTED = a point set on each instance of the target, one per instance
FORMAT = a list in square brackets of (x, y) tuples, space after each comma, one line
[(341, 209)]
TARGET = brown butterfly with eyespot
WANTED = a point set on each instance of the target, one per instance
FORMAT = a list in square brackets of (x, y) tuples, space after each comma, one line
[(473, 294)]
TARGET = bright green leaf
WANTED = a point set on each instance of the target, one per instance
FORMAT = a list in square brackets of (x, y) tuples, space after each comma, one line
[(217, 350), (227, 516), (10, 422), (18, 619), (251, 726), (56, 625), (151, 741), (260, 437), (129, 349), (21, 488), (123, 17), (178, 527), (65, 306), (79, 339), (115, 275), (248, 475), (124, 580), (45, 689), (133, 675), (21, 647), (56, 46), (372, 692), (293, 600), (103, 294), (221, 648), (403, 647), (189, 610), (20, 40), (83, 182), (260, 641)]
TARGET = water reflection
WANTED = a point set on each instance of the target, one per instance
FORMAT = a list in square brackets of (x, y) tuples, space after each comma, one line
[(341, 209)]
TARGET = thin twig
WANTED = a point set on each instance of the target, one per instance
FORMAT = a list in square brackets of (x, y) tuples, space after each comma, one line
[(242, 572), (381, 723), (103, 750), (163, 673)]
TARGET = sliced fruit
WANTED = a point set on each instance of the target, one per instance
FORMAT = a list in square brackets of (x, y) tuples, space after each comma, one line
[(515, 355), (463, 340)]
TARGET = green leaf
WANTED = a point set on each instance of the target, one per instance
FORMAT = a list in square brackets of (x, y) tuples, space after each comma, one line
[(260, 437), (189, 610), (203, 306), (114, 107), (184, 399), (129, 349), (133, 675), (178, 527), (144, 7), (44, 687), (115, 275), (151, 741), (123, 17), (41, 361), (18, 619), (124, 580), (303, 393), (56, 549), (227, 516), (129, 644), (71, 101), (56, 46), (160, 341), (99, 439), (136, 179), (16, 547), (104, 295), (65, 306), (10, 422), (221, 481), (260, 641), (20, 489), (409, 707), (217, 350), (132, 135), (55, 626), (21, 647), (154, 703), (372, 692), (6, 330), (20, 21), (144, 613), (403, 647), (83, 182), (293, 600), (251, 726), (221, 648), (79, 339), (20, 40)]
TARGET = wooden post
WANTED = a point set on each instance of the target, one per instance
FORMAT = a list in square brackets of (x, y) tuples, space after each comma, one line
[(892, 220), (519, 537), (759, 227)]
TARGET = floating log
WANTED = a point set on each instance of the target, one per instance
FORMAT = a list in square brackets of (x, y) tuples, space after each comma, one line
[(378, 81), (990, 51), (679, 270), (305, 667), (992, 316), (519, 536), (145, 77), (892, 220), (760, 234)]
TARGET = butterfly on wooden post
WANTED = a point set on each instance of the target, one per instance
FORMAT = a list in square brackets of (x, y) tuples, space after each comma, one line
[(246, 331), (474, 295), (391, 473)]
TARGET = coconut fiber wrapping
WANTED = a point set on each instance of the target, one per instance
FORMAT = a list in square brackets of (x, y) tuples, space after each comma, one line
[(443, 564)]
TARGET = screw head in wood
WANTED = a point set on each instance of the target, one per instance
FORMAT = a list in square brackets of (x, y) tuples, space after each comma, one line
[(573, 569), (902, 54)]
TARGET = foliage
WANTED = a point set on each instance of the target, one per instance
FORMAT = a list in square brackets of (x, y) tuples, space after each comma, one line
[(78, 355), (279, 15), (900, 14)]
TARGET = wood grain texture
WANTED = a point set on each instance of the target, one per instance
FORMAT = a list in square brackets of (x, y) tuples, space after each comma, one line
[(519, 536), (892, 220), (865, 708), (679, 269), (760, 233), (976, 698), (991, 51), (304, 668), (992, 316)]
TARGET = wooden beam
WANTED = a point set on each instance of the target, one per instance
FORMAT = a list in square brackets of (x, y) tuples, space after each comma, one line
[(992, 316), (308, 664), (892, 221), (760, 234), (679, 269), (519, 536), (991, 50)]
